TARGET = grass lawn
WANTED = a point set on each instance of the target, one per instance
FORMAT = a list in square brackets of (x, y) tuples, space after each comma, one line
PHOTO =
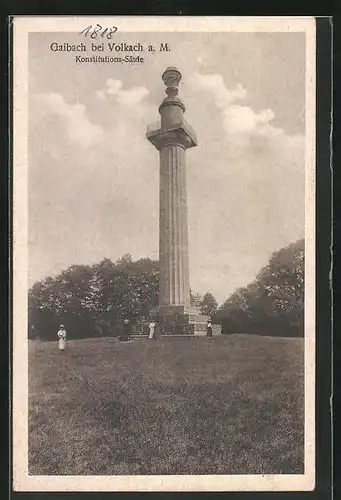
[(228, 405)]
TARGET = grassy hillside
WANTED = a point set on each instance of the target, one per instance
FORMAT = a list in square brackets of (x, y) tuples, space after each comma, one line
[(227, 405)]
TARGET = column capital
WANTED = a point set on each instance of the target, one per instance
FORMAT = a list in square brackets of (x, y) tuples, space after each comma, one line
[(180, 135)]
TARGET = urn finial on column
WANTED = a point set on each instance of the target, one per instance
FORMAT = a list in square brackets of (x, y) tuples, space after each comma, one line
[(171, 77), (173, 128)]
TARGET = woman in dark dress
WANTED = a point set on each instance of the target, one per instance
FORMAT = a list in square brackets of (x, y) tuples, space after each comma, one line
[(125, 332), (209, 330)]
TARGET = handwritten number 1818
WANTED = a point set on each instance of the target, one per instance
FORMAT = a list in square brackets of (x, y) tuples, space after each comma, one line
[(98, 31)]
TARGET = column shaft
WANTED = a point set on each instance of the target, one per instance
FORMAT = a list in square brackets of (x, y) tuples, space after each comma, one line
[(174, 265)]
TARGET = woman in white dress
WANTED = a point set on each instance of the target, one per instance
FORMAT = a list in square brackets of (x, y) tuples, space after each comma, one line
[(61, 338), (151, 330)]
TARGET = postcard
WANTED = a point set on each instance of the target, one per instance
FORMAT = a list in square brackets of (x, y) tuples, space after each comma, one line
[(163, 253)]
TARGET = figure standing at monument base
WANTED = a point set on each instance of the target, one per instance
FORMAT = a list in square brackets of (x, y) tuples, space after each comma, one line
[(172, 137), (209, 332), (151, 327), (61, 334), (125, 331)]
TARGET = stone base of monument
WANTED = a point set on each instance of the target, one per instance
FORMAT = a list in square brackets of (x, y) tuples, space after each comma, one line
[(181, 320)]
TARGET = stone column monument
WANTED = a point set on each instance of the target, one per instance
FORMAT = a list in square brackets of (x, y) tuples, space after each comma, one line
[(172, 137)]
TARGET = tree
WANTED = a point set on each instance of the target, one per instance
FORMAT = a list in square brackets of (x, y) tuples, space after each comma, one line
[(208, 305), (195, 299), (126, 259), (274, 303), (92, 300)]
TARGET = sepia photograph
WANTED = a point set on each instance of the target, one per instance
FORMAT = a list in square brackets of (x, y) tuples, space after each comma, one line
[(164, 211)]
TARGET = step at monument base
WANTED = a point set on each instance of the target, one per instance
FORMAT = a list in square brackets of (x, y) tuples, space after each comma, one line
[(181, 320)]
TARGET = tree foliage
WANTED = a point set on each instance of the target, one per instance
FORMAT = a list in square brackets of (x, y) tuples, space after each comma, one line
[(92, 300), (208, 305), (195, 299), (274, 303)]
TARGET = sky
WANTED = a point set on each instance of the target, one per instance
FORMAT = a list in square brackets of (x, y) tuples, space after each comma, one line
[(93, 177)]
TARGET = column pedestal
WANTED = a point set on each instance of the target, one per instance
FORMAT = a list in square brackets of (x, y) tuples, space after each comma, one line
[(177, 320)]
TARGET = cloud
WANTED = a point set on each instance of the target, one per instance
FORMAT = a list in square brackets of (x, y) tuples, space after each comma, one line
[(127, 97), (79, 207), (113, 86), (215, 84), (73, 116), (249, 195), (237, 118), (100, 94), (132, 96)]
